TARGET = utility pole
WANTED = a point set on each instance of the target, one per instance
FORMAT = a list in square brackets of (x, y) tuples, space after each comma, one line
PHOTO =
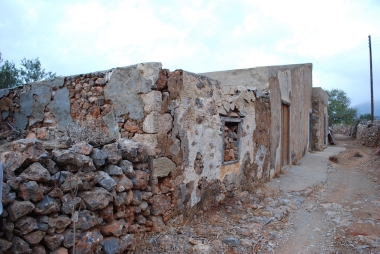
[(370, 67)]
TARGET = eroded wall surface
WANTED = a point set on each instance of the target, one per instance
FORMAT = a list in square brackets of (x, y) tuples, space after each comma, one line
[(197, 107), (176, 120), (319, 119), (291, 85)]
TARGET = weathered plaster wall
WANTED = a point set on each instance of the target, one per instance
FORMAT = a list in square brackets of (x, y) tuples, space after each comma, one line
[(319, 116), (176, 117), (290, 84), (197, 111)]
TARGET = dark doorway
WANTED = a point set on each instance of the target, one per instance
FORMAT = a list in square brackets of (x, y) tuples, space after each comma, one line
[(285, 135)]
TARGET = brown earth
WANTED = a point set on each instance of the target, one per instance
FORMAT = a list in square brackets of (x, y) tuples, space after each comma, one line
[(340, 216)]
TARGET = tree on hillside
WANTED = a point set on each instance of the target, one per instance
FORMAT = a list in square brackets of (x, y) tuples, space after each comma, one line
[(30, 71), (365, 117), (339, 108)]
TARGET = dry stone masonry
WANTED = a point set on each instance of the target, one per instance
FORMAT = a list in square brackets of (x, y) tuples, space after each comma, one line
[(99, 159), (368, 134)]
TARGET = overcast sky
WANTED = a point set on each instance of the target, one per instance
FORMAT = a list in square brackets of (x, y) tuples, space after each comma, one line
[(73, 37)]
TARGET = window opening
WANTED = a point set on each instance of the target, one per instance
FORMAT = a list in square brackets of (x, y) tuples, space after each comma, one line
[(231, 139)]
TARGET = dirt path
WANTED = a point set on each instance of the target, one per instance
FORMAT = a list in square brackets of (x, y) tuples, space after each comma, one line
[(340, 215), (343, 215)]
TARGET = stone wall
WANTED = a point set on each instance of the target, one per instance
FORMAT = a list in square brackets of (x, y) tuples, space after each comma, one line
[(368, 134), (343, 129), (100, 194), (161, 131)]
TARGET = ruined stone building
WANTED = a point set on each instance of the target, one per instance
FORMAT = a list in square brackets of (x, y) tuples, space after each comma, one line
[(158, 144)]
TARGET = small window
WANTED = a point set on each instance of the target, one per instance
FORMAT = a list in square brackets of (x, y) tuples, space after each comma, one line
[(231, 133)]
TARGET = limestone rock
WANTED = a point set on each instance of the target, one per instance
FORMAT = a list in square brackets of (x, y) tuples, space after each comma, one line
[(8, 196), (232, 241), (161, 167), (136, 200), (150, 124), (82, 147), (68, 241), (115, 228), (30, 191), (53, 241), (99, 157), (4, 245), (202, 249), (26, 224), (123, 183), (39, 249), (20, 246), (73, 158), (141, 180), (60, 222), (51, 166), (104, 180), (111, 245), (87, 220), (127, 242), (69, 203), (19, 208), (36, 172), (148, 141), (131, 126), (132, 150), (31, 149), (166, 242), (165, 123), (113, 170), (47, 205), (34, 237), (152, 101), (124, 198), (96, 199), (161, 203), (127, 168), (71, 183), (113, 153), (88, 241)]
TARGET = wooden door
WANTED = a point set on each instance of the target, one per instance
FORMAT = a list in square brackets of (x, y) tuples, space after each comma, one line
[(285, 135)]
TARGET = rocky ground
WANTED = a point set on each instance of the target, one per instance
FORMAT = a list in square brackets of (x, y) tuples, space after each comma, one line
[(339, 216)]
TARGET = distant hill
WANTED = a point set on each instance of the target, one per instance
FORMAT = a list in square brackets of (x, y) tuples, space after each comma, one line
[(365, 108)]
